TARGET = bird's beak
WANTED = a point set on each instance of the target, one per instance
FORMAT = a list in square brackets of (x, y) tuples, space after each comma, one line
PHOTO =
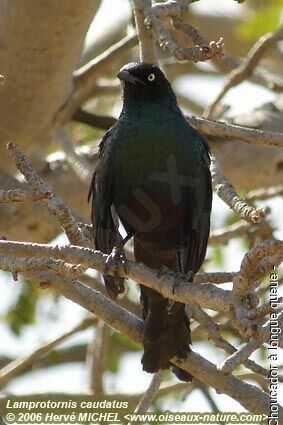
[(127, 76)]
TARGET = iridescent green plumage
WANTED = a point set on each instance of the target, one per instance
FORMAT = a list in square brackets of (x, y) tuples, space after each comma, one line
[(153, 173)]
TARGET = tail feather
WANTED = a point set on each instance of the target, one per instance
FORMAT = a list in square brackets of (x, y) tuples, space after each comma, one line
[(166, 333)]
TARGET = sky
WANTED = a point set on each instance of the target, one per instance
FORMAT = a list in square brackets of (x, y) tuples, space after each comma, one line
[(242, 99)]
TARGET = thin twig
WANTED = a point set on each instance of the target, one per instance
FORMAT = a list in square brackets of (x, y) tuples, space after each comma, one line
[(236, 132), (264, 193), (145, 34), (240, 356), (227, 193), (17, 366), (246, 68), (213, 333), (224, 235), (86, 76), (54, 205), (150, 394), (97, 357), (98, 121), (81, 166), (195, 53)]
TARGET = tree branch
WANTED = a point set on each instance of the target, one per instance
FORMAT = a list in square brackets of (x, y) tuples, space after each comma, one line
[(150, 394), (251, 397), (227, 193), (54, 205), (240, 356), (20, 195), (229, 131), (145, 34), (246, 68), (170, 285), (259, 261)]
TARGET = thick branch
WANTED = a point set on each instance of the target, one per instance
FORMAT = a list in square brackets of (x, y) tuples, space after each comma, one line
[(169, 285)]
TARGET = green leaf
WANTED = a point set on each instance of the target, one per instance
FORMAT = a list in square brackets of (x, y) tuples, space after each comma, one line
[(262, 20), (23, 312)]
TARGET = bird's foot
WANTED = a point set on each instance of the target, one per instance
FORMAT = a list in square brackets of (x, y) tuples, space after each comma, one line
[(187, 277), (163, 271), (116, 262)]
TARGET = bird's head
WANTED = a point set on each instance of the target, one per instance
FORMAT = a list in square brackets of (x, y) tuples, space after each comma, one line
[(143, 81)]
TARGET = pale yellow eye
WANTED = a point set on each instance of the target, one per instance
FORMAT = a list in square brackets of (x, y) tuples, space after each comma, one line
[(151, 77)]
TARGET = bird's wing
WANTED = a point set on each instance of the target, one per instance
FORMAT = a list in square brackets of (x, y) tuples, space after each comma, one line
[(103, 216), (199, 208)]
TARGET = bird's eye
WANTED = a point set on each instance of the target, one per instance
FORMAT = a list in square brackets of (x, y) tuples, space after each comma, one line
[(151, 77)]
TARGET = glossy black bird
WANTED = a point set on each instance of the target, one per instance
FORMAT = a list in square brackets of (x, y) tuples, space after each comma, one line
[(153, 174)]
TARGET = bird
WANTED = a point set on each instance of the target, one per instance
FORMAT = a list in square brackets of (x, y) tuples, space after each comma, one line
[(153, 178)]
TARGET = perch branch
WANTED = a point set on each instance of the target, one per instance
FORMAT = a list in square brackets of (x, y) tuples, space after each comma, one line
[(216, 277), (169, 285)]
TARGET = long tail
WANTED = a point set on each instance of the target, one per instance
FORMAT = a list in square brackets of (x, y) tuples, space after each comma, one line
[(166, 333)]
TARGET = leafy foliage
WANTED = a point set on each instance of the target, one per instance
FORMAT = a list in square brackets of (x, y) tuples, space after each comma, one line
[(262, 20), (23, 312)]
